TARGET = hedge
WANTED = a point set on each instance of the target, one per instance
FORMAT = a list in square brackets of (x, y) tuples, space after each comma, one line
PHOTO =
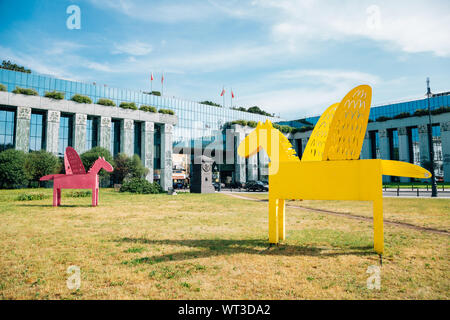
[(2, 87), (81, 99), (38, 164), (106, 102), (26, 91), (148, 109), (141, 186), (166, 111), (128, 105), (12, 172), (54, 95)]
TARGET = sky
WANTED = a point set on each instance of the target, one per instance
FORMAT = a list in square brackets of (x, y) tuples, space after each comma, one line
[(291, 58)]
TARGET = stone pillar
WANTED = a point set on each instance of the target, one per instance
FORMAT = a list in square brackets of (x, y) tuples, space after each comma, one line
[(423, 143), (52, 134), (263, 165), (166, 156), (23, 128), (384, 149), (252, 169), (148, 137), (403, 149), (239, 162), (79, 137), (365, 150), (104, 138), (127, 137), (445, 138)]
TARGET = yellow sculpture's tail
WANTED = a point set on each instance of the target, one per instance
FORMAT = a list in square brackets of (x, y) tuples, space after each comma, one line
[(403, 169)]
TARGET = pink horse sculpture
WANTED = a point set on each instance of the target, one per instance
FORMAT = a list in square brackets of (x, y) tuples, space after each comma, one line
[(76, 176)]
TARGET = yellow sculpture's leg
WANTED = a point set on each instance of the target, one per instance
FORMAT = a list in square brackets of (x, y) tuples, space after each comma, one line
[(273, 220), (281, 224), (378, 237)]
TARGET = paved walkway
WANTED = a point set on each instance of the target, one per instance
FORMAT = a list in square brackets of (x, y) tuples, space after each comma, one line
[(241, 195)]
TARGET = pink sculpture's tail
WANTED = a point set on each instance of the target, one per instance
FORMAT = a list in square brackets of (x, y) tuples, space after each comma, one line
[(50, 177)]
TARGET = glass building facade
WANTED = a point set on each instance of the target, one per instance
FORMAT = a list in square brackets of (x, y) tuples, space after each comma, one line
[(37, 131), (7, 118), (65, 133), (198, 124), (91, 132)]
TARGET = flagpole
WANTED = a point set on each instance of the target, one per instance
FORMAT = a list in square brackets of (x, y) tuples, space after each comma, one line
[(162, 84), (231, 98), (151, 83), (223, 88)]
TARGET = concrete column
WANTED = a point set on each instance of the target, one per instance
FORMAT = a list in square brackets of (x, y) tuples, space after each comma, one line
[(403, 148), (239, 162), (263, 165), (148, 137), (23, 128), (127, 137), (252, 169), (445, 138), (166, 156), (52, 134), (365, 150), (79, 137), (423, 143), (104, 138), (384, 149)]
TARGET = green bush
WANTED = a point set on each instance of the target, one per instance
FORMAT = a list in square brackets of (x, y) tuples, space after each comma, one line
[(140, 185), (12, 173), (26, 91), (54, 95), (89, 157), (166, 111), (80, 194), (128, 105), (402, 115), (106, 102), (440, 110), (156, 93), (420, 112), (39, 164), (382, 119), (31, 196), (81, 99), (148, 108), (128, 168), (2, 87)]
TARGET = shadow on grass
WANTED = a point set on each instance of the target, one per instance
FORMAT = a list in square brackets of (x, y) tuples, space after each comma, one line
[(60, 206), (216, 247)]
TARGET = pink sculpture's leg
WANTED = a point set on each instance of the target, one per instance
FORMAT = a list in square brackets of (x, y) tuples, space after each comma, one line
[(93, 198), (55, 196), (59, 196), (96, 196)]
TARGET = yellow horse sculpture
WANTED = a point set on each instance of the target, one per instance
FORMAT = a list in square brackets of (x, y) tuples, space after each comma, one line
[(329, 169)]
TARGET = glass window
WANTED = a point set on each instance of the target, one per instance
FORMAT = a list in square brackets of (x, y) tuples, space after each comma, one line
[(414, 146), (91, 132), (65, 133), (37, 132), (137, 138), (115, 137), (7, 126)]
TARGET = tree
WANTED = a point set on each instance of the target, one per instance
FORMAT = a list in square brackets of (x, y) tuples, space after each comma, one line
[(38, 164), (12, 173), (8, 65), (89, 157)]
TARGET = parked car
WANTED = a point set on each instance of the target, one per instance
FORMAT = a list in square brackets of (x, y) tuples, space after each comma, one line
[(256, 186), (216, 185)]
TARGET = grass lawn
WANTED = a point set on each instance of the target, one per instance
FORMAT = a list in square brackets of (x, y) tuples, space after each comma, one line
[(192, 246)]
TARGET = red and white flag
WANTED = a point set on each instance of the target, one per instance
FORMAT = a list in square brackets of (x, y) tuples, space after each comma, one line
[(162, 78), (223, 92), (151, 77), (232, 94)]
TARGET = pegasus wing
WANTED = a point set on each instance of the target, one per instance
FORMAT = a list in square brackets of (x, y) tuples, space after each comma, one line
[(73, 162)]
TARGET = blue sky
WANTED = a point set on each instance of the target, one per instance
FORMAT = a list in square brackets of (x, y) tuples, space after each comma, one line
[(293, 58)]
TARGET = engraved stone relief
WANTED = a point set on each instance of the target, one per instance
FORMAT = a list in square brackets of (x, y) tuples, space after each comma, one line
[(24, 113), (53, 116)]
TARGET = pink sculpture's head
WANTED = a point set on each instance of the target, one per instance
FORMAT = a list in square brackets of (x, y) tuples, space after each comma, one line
[(101, 163)]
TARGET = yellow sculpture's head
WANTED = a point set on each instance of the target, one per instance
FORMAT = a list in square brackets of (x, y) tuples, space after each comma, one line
[(252, 142)]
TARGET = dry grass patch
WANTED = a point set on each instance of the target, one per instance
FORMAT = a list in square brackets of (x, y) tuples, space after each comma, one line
[(192, 246)]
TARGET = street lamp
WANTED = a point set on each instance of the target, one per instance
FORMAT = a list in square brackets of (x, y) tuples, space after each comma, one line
[(430, 143)]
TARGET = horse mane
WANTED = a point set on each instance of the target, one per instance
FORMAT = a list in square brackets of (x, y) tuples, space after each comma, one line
[(96, 165)]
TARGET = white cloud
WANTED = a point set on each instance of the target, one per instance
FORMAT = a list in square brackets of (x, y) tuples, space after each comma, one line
[(134, 48)]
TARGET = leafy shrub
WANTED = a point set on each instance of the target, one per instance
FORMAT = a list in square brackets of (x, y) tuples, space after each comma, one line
[(140, 185), (26, 91), (148, 108), (8, 65), (382, 118), (38, 164), (303, 129), (31, 196), (80, 194), (106, 102), (128, 105), (12, 173), (420, 112), (240, 122), (54, 95), (166, 111), (440, 110), (89, 157), (128, 168), (2, 87), (81, 99), (402, 115), (252, 124), (156, 93), (210, 103)]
